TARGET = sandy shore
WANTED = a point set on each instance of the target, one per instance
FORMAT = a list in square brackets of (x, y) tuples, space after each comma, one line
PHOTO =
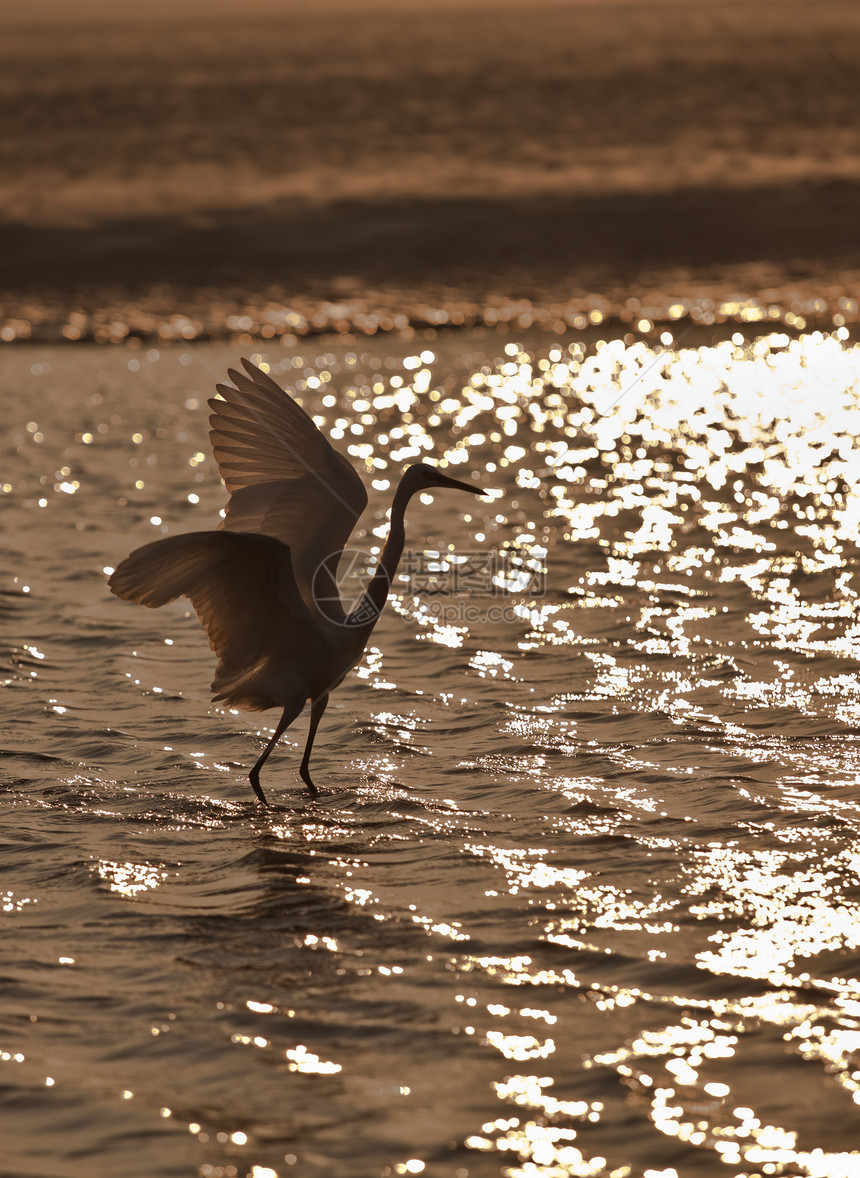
[(465, 153)]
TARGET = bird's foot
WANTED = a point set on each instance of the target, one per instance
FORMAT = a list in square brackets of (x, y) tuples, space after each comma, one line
[(306, 778), (254, 778)]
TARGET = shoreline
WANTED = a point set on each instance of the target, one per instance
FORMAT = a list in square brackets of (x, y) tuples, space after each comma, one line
[(698, 319), (784, 254)]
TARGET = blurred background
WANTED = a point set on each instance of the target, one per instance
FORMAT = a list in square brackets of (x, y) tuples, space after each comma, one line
[(198, 158), (580, 894)]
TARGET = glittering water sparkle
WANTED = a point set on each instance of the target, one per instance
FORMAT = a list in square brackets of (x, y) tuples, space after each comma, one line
[(581, 894)]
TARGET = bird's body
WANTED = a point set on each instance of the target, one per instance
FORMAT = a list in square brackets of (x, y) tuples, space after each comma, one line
[(264, 584)]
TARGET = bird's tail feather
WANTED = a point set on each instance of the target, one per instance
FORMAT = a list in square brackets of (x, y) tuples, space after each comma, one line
[(241, 688)]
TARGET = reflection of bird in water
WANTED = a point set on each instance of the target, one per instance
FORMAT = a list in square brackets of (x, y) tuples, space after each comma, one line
[(264, 585)]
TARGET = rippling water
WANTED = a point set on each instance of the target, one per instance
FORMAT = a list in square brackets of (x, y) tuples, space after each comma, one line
[(581, 895)]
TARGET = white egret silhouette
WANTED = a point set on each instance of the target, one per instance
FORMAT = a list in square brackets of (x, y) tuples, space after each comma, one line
[(264, 584)]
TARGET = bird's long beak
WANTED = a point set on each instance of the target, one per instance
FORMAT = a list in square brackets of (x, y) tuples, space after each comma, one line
[(444, 481)]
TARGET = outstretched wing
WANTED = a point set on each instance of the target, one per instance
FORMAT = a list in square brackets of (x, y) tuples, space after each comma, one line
[(243, 591), (284, 477)]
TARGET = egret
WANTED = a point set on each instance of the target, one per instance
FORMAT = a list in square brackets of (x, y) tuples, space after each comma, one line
[(264, 584)]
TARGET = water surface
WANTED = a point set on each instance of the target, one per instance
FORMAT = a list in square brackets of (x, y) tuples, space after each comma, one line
[(581, 895)]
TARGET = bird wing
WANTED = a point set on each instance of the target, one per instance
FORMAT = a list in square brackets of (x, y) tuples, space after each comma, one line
[(243, 591), (284, 477)]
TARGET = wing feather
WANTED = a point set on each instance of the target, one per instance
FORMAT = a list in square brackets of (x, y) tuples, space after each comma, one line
[(284, 477), (243, 591)]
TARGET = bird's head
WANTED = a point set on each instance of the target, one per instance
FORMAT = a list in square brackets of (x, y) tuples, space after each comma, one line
[(423, 477)]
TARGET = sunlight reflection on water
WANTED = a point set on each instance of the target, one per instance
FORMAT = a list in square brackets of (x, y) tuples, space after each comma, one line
[(589, 840)]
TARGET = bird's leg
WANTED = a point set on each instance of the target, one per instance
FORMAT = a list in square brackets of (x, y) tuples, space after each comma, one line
[(288, 715), (317, 709)]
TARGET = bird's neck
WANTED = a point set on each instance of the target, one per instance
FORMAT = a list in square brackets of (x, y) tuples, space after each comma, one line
[(376, 594)]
